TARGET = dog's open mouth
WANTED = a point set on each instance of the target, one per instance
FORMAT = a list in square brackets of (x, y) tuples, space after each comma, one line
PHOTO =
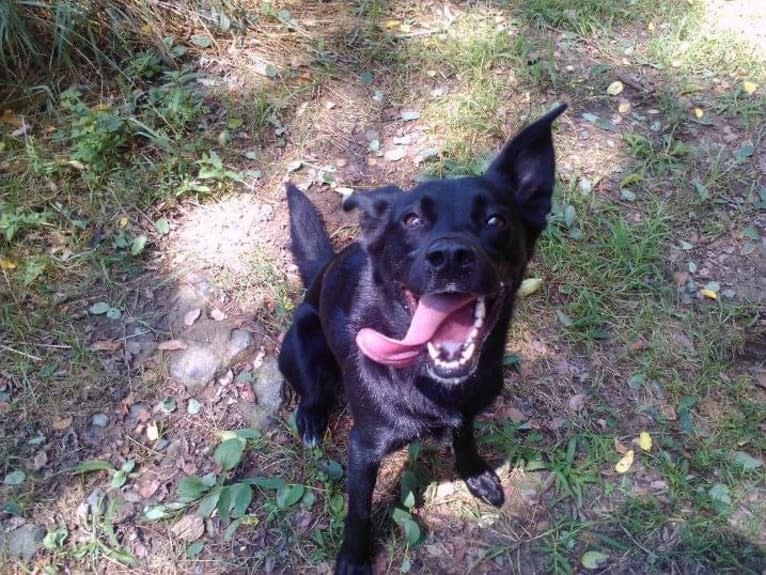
[(449, 327)]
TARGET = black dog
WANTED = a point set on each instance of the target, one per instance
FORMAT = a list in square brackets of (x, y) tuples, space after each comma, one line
[(412, 319)]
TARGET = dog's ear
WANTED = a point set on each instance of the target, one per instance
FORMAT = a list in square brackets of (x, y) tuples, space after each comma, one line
[(375, 206), (526, 167)]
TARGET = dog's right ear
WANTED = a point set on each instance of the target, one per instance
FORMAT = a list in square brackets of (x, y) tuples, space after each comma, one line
[(375, 206)]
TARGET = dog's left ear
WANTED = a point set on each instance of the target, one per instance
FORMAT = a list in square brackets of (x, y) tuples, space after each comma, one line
[(374, 206), (526, 167)]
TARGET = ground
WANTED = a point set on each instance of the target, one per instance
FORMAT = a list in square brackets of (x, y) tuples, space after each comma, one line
[(146, 281)]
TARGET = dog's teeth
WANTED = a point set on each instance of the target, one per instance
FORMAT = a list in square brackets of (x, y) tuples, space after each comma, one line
[(479, 312), (468, 352), (472, 335), (433, 351)]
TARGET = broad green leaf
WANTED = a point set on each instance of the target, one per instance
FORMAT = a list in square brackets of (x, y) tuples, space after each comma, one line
[(138, 244), (15, 477), (593, 560), (366, 78), (88, 466), (208, 503), (190, 488), (162, 226), (55, 539), (119, 479), (746, 461), (241, 496), (289, 495), (157, 512), (113, 313), (565, 320), (229, 453), (99, 308), (228, 535), (224, 504), (265, 482), (194, 549), (333, 469), (309, 498)]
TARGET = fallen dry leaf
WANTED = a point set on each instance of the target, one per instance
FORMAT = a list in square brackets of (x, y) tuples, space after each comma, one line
[(529, 286), (6, 264), (515, 415), (645, 441), (620, 447), (106, 345), (749, 87), (576, 402), (172, 345), (615, 88), (152, 431), (623, 107), (708, 293), (61, 423), (698, 113), (624, 464), (148, 488), (638, 345), (191, 316), (189, 528)]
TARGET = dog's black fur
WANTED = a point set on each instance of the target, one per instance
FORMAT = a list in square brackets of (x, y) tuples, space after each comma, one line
[(471, 236)]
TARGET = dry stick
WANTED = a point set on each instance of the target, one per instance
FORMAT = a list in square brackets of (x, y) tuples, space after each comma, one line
[(28, 356)]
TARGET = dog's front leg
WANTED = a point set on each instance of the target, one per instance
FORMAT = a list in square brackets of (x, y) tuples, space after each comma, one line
[(364, 456), (481, 480)]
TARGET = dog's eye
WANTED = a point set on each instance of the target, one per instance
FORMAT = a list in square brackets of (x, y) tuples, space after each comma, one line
[(496, 222), (412, 220)]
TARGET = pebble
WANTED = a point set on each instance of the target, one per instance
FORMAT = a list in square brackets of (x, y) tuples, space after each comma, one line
[(23, 542), (100, 420)]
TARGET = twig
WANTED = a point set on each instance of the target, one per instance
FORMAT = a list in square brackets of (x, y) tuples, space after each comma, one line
[(27, 355)]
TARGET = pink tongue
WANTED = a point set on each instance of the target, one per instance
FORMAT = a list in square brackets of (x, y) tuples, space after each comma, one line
[(432, 311)]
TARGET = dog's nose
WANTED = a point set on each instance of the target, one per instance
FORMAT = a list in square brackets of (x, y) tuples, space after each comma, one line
[(450, 253)]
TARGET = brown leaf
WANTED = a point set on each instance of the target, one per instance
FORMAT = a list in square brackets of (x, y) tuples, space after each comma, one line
[(577, 402), (638, 345), (61, 423), (191, 316), (172, 345), (681, 277), (189, 528), (106, 345), (515, 415), (620, 447), (148, 487)]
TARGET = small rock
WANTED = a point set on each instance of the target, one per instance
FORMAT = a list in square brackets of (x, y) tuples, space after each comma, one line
[(23, 542), (217, 314), (444, 490), (191, 316), (395, 154), (240, 340), (195, 366), (139, 413), (268, 387), (100, 420), (189, 528)]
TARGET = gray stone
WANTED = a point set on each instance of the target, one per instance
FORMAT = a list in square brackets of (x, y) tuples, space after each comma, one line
[(100, 420), (213, 347), (268, 386), (22, 542)]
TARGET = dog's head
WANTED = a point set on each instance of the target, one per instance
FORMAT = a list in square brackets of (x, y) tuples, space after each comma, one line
[(454, 252)]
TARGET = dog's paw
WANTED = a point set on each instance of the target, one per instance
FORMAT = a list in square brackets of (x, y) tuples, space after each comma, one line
[(310, 426), (486, 485), (345, 567)]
